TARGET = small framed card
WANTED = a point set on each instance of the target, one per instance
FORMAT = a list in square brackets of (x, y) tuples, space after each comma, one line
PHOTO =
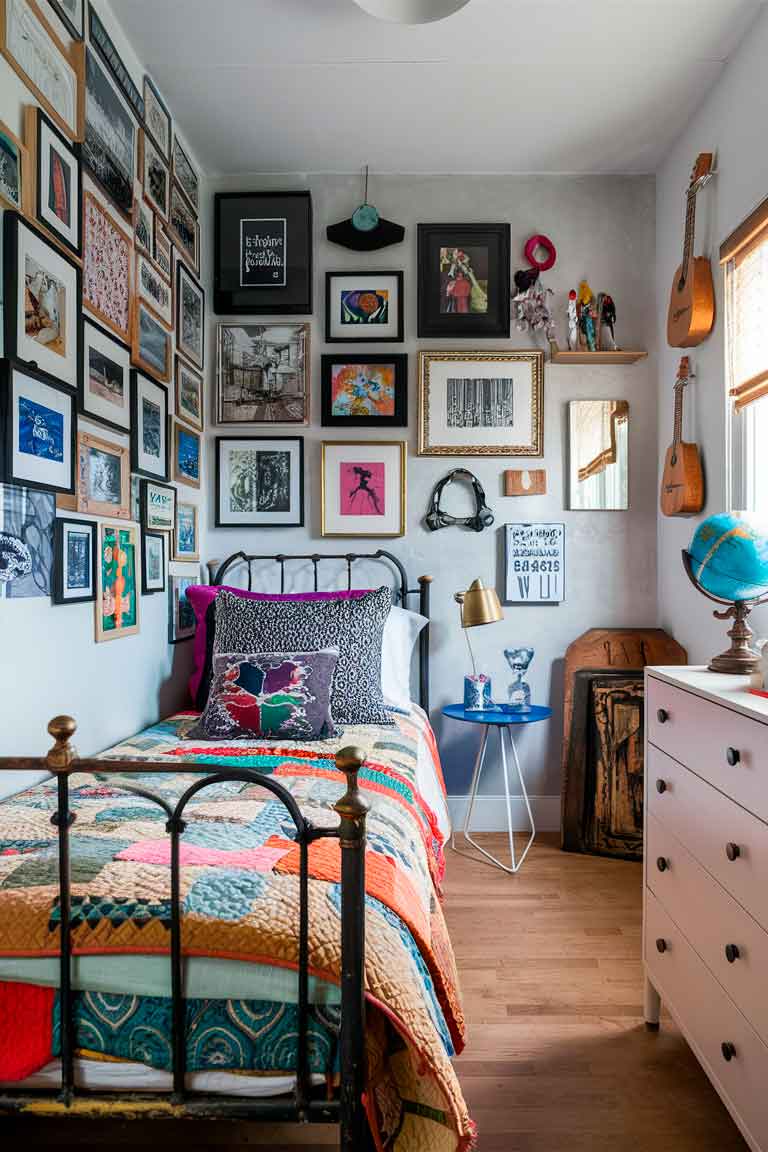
[(74, 561)]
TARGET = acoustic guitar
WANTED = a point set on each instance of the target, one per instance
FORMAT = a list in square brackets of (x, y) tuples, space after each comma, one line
[(692, 301), (682, 485)]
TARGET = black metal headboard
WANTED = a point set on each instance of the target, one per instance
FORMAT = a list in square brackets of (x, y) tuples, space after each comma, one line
[(400, 592)]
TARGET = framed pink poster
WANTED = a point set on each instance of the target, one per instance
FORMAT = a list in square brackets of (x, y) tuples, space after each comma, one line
[(363, 488)]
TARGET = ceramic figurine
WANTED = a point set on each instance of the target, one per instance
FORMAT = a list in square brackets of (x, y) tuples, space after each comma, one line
[(606, 314), (532, 312), (477, 693), (519, 660), (573, 322), (587, 312)]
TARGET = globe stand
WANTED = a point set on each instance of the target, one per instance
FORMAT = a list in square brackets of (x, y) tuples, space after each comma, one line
[(740, 659)]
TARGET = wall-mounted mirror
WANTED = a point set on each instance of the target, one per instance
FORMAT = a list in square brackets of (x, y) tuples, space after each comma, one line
[(599, 455)]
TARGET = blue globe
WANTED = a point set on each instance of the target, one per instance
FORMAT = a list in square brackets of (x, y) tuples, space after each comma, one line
[(730, 558)]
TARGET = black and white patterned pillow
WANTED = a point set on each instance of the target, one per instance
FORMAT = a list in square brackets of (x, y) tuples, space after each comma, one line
[(355, 627)]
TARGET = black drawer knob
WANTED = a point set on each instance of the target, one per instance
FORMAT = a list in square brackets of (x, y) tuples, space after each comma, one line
[(732, 850), (661, 944), (662, 715), (661, 786), (733, 756), (728, 1050), (662, 864), (731, 952)]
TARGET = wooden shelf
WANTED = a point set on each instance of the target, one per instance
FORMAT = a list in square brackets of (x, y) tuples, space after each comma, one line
[(564, 356)]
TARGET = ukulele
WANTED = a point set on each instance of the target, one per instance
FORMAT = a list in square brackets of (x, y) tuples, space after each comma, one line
[(682, 485), (692, 300)]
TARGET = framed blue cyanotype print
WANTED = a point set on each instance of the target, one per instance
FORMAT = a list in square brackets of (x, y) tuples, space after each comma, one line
[(37, 418)]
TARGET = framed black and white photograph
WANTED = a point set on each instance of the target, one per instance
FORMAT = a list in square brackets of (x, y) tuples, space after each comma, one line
[(37, 422), (259, 481), (14, 169), (481, 403), (185, 175), (102, 41), (157, 506), (190, 316), (362, 306), (535, 563), (163, 251), (263, 253), (187, 454), (364, 391), (104, 389), (157, 119), (464, 280), (58, 199), (151, 343), (109, 145), (149, 427), (186, 542), (154, 290), (184, 228), (154, 562), (262, 373), (72, 15), (155, 177), (189, 394), (42, 301), (74, 561), (143, 227)]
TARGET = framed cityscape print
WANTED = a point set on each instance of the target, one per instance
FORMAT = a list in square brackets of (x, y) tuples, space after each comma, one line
[(109, 143), (143, 227), (157, 119), (74, 561), (14, 170), (464, 284), (72, 15), (186, 544), (186, 454), (151, 343), (154, 546), (259, 482), (117, 592), (104, 388), (364, 391), (363, 306), (157, 505), (107, 259), (189, 394), (185, 175), (262, 373), (190, 316), (362, 488), (184, 228), (100, 38), (263, 253), (149, 427), (103, 477), (154, 290), (39, 58), (42, 301), (155, 177), (181, 616), (58, 195), (481, 403), (37, 421)]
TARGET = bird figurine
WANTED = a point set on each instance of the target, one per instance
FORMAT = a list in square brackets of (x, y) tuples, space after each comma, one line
[(606, 322), (587, 313)]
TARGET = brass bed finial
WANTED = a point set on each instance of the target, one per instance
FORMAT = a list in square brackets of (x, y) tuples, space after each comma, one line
[(351, 806), (61, 756)]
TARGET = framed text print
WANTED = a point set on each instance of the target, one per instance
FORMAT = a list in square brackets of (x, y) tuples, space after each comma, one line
[(363, 488), (535, 563), (263, 253), (259, 481)]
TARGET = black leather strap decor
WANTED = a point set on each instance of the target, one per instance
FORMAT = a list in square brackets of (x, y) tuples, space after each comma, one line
[(436, 518)]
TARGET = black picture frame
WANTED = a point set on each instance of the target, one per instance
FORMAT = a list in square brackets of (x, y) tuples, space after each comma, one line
[(136, 427), (144, 505), (289, 233), (432, 320), (363, 334), (7, 475), (183, 273), (73, 30), (60, 524), (398, 419), (163, 538), (149, 83), (97, 156), (102, 42), (219, 442), (42, 120), (82, 408)]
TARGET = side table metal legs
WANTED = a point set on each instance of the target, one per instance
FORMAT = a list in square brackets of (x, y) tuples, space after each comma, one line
[(515, 861)]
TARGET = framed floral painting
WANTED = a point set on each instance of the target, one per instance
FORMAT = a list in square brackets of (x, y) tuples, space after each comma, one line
[(117, 591), (107, 259), (363, 485)]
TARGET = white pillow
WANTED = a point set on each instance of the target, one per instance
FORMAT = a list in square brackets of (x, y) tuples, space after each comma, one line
[(401, 632)]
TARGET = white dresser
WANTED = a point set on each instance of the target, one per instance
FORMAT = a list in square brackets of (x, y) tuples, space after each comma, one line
[(705, 898)]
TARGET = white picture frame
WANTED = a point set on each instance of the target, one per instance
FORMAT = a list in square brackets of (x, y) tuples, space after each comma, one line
[(246, 467)]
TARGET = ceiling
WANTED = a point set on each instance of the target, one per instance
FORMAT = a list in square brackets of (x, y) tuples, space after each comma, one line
[(579, 86)]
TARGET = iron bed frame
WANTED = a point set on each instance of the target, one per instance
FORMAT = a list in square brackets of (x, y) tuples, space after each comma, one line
[(308, 1104)]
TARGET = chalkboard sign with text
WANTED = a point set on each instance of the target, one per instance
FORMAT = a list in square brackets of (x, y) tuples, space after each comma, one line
[(535, 555), (263, 253)]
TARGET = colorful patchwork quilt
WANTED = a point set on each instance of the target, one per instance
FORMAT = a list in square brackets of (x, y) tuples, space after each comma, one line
[(240, 898)]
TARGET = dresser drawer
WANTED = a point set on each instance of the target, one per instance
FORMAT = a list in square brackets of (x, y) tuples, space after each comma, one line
[(703, 736), (707, 823), (710, 1020), (712, 922)]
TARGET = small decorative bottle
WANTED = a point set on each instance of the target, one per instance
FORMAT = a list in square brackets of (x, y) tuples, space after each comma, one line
[(519, 660)]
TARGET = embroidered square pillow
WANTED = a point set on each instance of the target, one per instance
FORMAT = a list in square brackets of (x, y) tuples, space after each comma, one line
[(270, 696), (354, 626)]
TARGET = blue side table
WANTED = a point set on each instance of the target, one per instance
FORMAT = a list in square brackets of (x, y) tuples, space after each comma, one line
[(504, 721)]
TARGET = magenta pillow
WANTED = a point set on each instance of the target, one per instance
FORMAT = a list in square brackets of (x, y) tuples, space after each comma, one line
[(201, 596)]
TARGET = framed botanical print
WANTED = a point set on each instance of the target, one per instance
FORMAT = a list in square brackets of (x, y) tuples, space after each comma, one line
[(155, 177), (186, 545), (481, 403), (149, 427), (109, 143), (190, 316), (185, 175), (262, 373), (151, 343), (104, 389), (263, 253), (72, 15), (143, 227), (157, 504), (103, 477), (154, 546), (181, 616), (464, 280), (186, 454), (163, 251), (58, 195), (363, 306), (102, 41), (42, 301), (364, 391), (37, 421), (363, 485), (14, 170), (189, 394), (107, 260), (74, 561), (117, 591), (157, 119), (36, 54), (259, 481), (154, 290), (184, 228)]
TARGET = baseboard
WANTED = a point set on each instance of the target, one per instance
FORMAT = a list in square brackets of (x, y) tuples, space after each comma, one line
[(490, 813)]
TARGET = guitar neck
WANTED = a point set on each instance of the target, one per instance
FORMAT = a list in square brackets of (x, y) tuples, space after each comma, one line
[(678, 428), (690, 228)]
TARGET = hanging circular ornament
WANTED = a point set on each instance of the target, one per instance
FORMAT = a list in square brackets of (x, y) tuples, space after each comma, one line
[(365, 218), (532, 247)]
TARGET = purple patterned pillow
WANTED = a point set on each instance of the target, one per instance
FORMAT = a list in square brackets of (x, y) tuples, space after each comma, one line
[(270, 696)]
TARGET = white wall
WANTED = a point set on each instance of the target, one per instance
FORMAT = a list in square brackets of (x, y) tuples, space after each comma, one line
[(603, 228), (730, 122)]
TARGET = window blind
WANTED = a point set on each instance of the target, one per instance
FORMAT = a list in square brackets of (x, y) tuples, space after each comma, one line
[(747, 321)]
